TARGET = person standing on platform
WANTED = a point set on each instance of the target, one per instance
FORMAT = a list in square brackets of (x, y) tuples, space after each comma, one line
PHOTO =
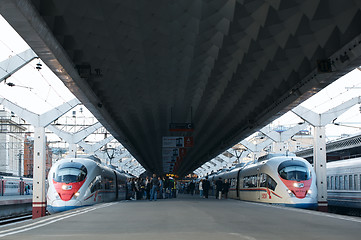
[(171, 185), (174, 189), (206, 184), (225, 188), (147, 188), (160, 187), (191, 187), (143, 193), (166, 187), (219, 186), (154, 188), (200, 187)]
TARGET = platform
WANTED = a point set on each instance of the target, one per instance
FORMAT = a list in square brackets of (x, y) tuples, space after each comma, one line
[(15, 205), (18, 199), (186, 218)]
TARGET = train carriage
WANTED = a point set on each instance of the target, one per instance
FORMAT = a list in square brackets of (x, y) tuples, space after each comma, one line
[(281, 180), (11, 186), (344, 183), (77, 182)]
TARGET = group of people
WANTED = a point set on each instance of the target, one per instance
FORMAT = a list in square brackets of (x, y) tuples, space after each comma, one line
[(151, 188), (222, 188), (218, 188)]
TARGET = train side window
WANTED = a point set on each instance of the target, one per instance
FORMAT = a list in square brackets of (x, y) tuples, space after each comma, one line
[(267, 181), (271, 183), (233, 183), (245, 182), (336, 183), (250, 181), (95, 184), (329, 185), (350, 185), (328, 182), (262, 180), (345, 182), (355, 182), (254, 181), (341, 183)]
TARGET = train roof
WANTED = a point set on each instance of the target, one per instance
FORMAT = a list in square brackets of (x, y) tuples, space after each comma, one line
[(352, 162), (273, 155)]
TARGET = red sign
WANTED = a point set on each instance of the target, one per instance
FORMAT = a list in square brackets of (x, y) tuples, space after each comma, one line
[(188, 142)]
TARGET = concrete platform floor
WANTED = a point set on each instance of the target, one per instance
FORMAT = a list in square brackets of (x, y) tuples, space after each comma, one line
[(186, 218), (15, 205)]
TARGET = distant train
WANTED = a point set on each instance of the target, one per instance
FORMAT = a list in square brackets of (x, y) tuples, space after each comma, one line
[(78, 182), (282, 180), (12, 186), (344, 183)]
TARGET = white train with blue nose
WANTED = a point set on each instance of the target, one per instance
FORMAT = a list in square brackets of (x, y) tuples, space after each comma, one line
[(78, 182)]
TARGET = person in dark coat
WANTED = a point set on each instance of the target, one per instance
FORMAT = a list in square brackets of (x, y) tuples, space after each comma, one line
[(191, 187), (206, 185), (219, 186), (147, 188), (225, 189)]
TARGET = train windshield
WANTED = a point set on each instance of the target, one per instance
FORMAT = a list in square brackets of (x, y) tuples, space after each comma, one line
[(294, 170), (70, 172)]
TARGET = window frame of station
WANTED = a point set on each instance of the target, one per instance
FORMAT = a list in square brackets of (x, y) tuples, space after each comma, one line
[(350, 181)]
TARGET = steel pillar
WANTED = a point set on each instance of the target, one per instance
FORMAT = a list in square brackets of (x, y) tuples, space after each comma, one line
[(319, 162), (39, 198), (72, 150)]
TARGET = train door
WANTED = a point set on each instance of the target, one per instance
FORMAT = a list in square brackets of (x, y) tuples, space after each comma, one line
[(22, 187), (238, 183), (258, 184), (116, 186), (1, 187)]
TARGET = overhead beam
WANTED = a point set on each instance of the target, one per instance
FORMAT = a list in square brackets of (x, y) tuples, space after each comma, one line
[(74, 138), (15, 63)]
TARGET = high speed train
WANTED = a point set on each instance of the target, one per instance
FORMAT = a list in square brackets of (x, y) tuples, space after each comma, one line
[(282, 180), (78, 182), (344, 183)]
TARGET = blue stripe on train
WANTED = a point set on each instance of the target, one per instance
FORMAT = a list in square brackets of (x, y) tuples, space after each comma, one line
[(52, 209), (300, 205)]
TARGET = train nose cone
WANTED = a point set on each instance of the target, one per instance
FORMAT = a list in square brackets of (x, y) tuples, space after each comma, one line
[(60, 206)]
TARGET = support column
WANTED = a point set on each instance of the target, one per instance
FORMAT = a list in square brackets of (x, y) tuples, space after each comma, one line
[(319, 162), (72, 150), (39, 197)]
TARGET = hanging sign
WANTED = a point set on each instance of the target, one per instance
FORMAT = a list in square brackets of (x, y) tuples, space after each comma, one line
[(178, 142), (173, 142), (181, 127)]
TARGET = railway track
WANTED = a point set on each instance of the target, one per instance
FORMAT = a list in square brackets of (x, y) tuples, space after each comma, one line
[(13, 219)]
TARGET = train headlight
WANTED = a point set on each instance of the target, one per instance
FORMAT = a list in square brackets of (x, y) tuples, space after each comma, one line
[(298, 185), (76, 195), (290, 193), (309, 192), (66, 187)]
